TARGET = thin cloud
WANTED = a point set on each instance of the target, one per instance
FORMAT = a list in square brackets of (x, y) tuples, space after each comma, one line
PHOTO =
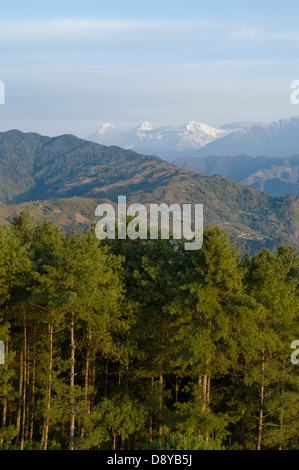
[(257, 33), (290, 37), (71, 29), (100, 30), (246, 33)]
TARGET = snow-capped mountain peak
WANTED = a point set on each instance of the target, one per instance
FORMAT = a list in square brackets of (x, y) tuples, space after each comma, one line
[(148, 138), (105, 127), (146, 126), (194, 127)]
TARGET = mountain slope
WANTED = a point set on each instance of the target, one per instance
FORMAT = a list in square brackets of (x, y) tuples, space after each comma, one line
[(70, 175), (279, 138), (18, 153), (275, 176)]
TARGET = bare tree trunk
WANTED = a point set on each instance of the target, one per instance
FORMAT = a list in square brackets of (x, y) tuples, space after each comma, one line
[(31, 427), (199, 382), (33, 389), (151, 418), (49, 390), (208, 386), (280, 430), (87, 369), (160, 413), (199, 397), (4, 412), (27, 394), (87, 377), (24, 385), (93, 382), (151, 428), (208, 390), (19, 410), (106, 378), (281, 423), (204, 391), (72, 384), (261, 410), (126, 383), (177, 388)]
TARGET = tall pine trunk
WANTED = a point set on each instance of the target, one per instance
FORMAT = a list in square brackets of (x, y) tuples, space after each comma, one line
[(86, 380), (19, 409), (207, 399), (151, 416), (49, 389), (160, 413), (281, 421), (204, 391), (24, 384), (72, 384), (4, 412), (106, 377), (28, 404), (32, 416), (177, 388), (261, 407)]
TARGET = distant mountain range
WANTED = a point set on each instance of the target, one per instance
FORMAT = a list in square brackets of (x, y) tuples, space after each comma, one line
[(64, 178), (277, 139), (147, 138), (275, 176)]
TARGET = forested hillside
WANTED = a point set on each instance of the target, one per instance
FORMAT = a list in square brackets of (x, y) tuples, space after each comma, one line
[(140, 344), (274, 176)]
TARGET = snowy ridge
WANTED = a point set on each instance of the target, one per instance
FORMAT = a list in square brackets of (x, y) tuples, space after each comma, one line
[(148, 138)]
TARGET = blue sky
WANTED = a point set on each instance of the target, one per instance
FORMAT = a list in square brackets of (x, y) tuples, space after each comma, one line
[(70, 66)]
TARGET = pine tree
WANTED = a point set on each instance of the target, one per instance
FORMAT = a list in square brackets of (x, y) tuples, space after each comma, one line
[(268, 369)]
